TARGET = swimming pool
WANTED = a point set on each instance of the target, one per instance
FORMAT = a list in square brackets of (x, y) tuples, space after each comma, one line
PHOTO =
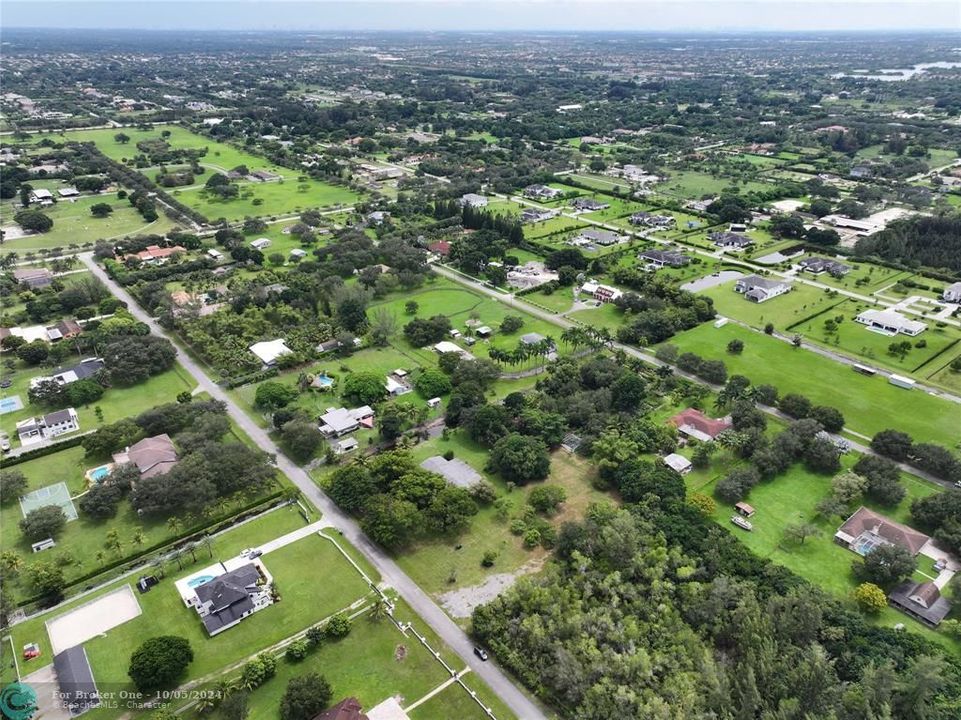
[(10, 404), (99, 473), (199, 580), (324, 380)]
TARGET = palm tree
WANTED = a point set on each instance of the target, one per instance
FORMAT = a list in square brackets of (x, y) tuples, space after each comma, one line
[(138, 538), (173, 524), (100, 555), (378, 610), (208, 543)]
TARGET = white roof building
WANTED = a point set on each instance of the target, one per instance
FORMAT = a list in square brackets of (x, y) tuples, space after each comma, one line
[(339, 421), (890, 322), (445, 346), (678, 463), (269, 350)]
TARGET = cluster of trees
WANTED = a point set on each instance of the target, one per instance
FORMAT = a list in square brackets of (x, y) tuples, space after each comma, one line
[(659, 309), (628, 624), (397, 500), (931, 241), (941, 514), (83, 296), (929, 457), (792, 226), (207, 471)]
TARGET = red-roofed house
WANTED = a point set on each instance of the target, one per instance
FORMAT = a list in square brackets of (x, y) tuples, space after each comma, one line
[(347, 709), (696, 424), (157, 254), (866, 529), (441, 247)]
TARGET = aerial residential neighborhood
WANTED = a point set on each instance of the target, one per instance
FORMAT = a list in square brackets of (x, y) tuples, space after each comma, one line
[(480, 360)]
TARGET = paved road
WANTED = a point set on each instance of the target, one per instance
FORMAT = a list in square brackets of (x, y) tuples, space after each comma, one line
[(634, 352), (519, 703)]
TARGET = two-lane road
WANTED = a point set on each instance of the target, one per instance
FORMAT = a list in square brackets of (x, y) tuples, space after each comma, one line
[(516, 699)]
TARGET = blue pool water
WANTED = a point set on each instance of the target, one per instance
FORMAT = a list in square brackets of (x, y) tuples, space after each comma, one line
[(8, 404), (324, 380), (199, 580), (98, 474)]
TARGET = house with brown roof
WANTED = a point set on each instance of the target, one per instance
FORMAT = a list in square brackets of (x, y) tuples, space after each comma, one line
[(866, 530), (153, 455), (33, 277), (922, 601), (695, 424), (154, 254), (347, 709), (441, 247)]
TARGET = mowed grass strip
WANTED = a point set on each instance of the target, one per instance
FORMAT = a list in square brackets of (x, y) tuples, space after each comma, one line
[(869, 404)]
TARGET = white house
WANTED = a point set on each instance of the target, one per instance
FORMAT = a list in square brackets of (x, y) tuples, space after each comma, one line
[(758, 289), (604, 293), (952, 293), (225, 593), (260, 243), (890, 322), (678, 463), (41, 196), (445, 346), (34, 430), (473, 200), (270, 350), (340, 421)]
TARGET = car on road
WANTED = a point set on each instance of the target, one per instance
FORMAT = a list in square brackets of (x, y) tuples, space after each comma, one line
[(481, 653), (251, 553)]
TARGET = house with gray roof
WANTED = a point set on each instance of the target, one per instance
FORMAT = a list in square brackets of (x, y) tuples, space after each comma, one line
[(454, 471), (228, 598), (78, 690), (816, 266), (922, 601), (758, 289), (664, 258), (589, 204), (732, 240)]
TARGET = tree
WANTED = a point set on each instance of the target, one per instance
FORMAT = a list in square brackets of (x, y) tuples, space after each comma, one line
[(383, 326), (43, 522), (46, 579), (450, 509), (848, 487), (33, 221), (787, 226), (389, 521), (737, 484), (337, 627), (160, 663), (886, 565), (13, 483), (704, 503), (271, 395), (421, 332), (133, 359), (870, 598), (100, 502), (893, 444), (122, 138), (883, 479), (432, 383), (511, 324), (822, 456), (83, 392), (519, 459), (33, 353), (301, 438), (350, 308), (735, 347), (730, 209), (795, 406), (305, 697), (546, 499), (801, 532), (488, 423), (628, 391), (411, 307), (101, 210), (820, 207), (830, 418), (365, 388)]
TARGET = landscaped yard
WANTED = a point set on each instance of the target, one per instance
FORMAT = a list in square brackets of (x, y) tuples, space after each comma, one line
[(790, 499), (784, 311), (869, 404)]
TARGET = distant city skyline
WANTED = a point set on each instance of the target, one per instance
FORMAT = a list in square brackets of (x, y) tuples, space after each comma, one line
[(492, 15)]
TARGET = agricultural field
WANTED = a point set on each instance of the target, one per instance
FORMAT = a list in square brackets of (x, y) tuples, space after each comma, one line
[(869, 404)]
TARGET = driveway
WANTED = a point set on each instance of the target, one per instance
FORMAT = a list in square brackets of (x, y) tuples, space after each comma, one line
[(391, 574), (709, 281), (49, 704)]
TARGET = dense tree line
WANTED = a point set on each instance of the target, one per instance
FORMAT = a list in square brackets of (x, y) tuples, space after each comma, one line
[(932, 241)]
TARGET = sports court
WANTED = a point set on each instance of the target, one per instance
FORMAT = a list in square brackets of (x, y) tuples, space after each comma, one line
[(10, 404), (51, 495), (92, 619)]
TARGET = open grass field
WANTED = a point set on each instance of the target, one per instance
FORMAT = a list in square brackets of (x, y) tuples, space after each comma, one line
[(74, 226), (541, 230), (292, 194), (869, 404), (606, 316), (618, 209), (864, 277), (115, 404), (853, 338), (801, 302), (790, 499), (690, 185), (81, 547)]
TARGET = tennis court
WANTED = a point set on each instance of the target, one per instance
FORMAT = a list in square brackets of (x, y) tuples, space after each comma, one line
[(57, 495)]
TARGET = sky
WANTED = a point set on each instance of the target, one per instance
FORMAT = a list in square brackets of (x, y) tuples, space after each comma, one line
[(506, 15)]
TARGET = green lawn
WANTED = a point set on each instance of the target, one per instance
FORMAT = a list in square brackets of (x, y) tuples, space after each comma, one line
[(853, 338), (691, 185), (555, 225), (790, 499), (257, 199), (73, 225), (869, 404), (801, 302), (115, 404)]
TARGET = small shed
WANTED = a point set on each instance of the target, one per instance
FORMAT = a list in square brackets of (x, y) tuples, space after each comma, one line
[(678, 463), (433, 402), (484, 331), (744, 509)]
